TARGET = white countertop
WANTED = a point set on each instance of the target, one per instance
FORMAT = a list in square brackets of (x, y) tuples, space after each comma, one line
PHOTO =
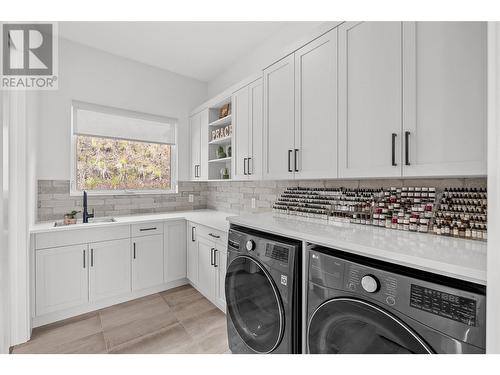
[(210, 218), (453, 257)]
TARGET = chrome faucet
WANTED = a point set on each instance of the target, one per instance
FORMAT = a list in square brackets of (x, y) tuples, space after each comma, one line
[(86, 215)]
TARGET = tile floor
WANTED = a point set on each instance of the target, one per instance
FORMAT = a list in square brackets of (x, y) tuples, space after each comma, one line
[(179, 320)]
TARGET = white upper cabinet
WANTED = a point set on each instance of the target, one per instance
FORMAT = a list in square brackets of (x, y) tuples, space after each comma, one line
[(278, 134), (247, 112), (370, 97), (444, 99), (195, 135), (110, 273), (198, 130), (315, 151), (241, 131)]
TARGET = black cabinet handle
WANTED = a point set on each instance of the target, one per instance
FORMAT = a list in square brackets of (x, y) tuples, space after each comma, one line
[(91, 257), (248, 166), (295, 160), (245, 166), (192, 234), (84, 258), (289, 155), (134, 250), (215, 258), (199, 170), (407, 148), (212, 256), (195, 171), (213, 235), (394, 135), (146, 229)]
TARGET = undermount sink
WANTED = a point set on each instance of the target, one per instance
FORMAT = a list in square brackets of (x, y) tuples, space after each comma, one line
[(91, 220)]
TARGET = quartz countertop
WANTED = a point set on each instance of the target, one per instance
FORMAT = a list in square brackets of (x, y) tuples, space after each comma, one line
[(454, 257), (210, 218)]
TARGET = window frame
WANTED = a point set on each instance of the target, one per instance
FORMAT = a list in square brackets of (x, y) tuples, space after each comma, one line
[(74, 191)]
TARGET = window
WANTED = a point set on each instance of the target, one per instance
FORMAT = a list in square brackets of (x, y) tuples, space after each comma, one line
[(117, 151)]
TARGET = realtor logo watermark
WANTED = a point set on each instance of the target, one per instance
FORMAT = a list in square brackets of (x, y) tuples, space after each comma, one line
[(29, 56)]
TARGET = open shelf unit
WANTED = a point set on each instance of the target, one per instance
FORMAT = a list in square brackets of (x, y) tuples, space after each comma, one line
[(216, 123)]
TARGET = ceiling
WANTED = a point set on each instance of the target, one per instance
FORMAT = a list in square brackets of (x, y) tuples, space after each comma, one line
[(200, 50)]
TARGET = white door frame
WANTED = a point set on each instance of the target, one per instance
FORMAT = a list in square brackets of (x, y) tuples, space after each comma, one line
[(493, 257)]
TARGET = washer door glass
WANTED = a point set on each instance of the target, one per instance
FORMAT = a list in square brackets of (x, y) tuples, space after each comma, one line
[(254, 305), (347, 325)]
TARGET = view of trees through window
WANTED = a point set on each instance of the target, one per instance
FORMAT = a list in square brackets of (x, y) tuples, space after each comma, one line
[(112, 164)]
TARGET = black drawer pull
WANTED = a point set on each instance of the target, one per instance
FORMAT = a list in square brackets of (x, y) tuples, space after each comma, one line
[(146, 229), (215, 258), (213, 235), (394, 135), (248, 166), (295, 160), (245, 166), (91, 257), (289, 157), (134, 250), (192, 234), (212, 256), (84, 258)]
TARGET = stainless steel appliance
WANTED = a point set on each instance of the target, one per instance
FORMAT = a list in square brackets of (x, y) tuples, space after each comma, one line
[(360, 305), (262, 292)]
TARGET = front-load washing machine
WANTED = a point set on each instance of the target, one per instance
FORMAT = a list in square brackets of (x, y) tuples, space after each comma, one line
[(360, 305)]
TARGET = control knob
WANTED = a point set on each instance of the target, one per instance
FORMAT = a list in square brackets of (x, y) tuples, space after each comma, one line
[(370, 283), (250, 245)]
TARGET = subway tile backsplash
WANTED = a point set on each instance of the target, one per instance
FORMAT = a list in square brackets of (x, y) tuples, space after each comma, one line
[(54, 199)]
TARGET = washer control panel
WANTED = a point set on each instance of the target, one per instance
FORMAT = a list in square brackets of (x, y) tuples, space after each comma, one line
[(380, 285)]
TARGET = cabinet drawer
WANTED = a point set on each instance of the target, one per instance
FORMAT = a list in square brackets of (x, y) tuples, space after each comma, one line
[(147, 229), (81, 236), (220, 238)]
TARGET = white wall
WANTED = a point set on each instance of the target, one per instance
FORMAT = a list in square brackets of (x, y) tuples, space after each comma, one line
[(94, 76), (274, 48)]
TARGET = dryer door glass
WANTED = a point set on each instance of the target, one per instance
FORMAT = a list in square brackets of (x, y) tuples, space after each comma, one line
[(254, 305), (348, 325)]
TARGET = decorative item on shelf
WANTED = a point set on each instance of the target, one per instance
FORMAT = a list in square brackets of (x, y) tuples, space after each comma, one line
[(229, 151), (220, 152), (225, 176), (70, 217), (462, 212), (223, 132), (225, 110)]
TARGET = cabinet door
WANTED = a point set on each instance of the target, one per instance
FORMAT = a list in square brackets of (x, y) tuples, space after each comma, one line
[(61, 278), (195, 136), (444, 74), (192, 254), (206, 267), (316, 108), (220, 277), (370, 99), (255, 135), (147, 261), (241, 131), (175, 250), (110, 273), (279, 104), (203, 169)]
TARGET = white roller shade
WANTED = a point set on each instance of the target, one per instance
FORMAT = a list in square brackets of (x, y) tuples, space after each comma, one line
[(99, 121)]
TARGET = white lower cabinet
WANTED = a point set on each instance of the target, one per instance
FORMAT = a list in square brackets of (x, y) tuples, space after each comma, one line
[(192, 254), (174, 240), (61, 278), (220, 276), (147, 261), (109, 269), (206, 282)]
